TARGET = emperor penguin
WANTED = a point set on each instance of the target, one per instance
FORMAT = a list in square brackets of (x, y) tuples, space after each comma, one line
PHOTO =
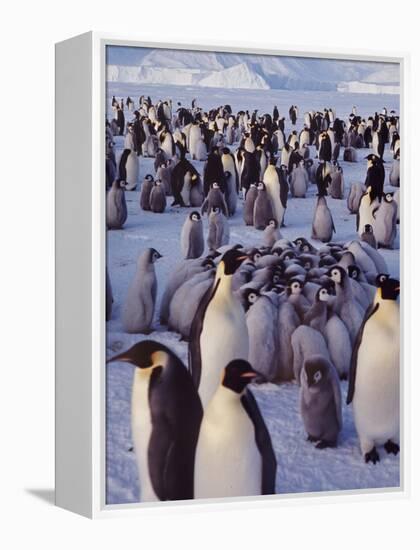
[(146, 189), (116, 206), (215, 198), (271, 233), (354, 196), (137, 316), (368, 236), (219, 332), (339, 345), (158, 198), (322, 223), (385, 224), (192, 239), (166, 414), (367, 205), (261, 320), (374, 387), (231, 193), (263, 208), (234, 456), (320, 401), (346, 305), (218, 234), (394, 174), (167, 144), (195, 138), (299, 181), (337, 183), (200, 150), (272, 184), (305, 342), (248, 209)]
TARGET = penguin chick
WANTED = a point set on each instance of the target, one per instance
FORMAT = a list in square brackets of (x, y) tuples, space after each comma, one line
[(116, 206), (271, 233), (140, 302), (368, 236), (320, 401), (157, 198), (192, 238), (218, 234), (146, 189)]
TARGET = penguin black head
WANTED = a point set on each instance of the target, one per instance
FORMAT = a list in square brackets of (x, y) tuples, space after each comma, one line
[(225, 150), (215, 209), (154, 255), (389, 288), (148, 177), (273, 223), (388, 197), (144, 355), (354, 272), (195, 216), (368, 228), (337, 274), (208, 262), (237, 375), (316, 369), (261, 186), (300, 241), (232, 259)]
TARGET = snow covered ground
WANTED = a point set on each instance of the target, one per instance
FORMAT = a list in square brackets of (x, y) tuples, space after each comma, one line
[(301, 467)]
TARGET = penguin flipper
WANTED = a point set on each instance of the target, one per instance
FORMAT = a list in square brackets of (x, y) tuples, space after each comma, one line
[(263, 441), (353, 363)]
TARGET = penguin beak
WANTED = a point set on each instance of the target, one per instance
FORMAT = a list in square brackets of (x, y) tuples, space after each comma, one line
[(121, 357), (249, 374)]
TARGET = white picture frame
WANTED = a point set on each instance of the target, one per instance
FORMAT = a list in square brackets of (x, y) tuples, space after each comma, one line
[(80, 278)]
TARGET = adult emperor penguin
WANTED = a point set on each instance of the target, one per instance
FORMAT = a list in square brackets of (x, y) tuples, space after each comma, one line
[(374, 387), (116, 207), (140, 302), (367, 205), (320, 401), (192, 239), (354, 196), (322, 223), (275, 191), (166, 415), (219, 332), (234, 456)]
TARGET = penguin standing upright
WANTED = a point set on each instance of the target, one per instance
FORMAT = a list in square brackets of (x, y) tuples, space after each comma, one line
[(146, 189), (116, 206), (218, 333), (218, 234), (368, 236), (140, 302), (263, 208), (320, 401), (323, 223), (234, 454), (385, 224), (166, 415), (248, 209), (192, 240), (374, 387), (272, 183), (158, 198), (367, 205)]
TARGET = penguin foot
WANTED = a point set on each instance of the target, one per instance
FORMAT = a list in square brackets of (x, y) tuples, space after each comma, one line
[(324, 444), (311, 438), (391, 447), (372, 456)]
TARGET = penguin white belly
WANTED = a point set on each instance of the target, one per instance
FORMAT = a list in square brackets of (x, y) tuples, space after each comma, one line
[(141, 430), (132, 168), (376, 397), (167, 146), (224, 337), (366, 214), (227, 463), (285, 157), (273, 189)]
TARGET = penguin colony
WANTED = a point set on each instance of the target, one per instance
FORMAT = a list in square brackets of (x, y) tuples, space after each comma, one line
[(282, 311)]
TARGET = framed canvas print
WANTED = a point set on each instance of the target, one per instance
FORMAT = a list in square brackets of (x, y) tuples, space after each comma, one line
[(229, 227)]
